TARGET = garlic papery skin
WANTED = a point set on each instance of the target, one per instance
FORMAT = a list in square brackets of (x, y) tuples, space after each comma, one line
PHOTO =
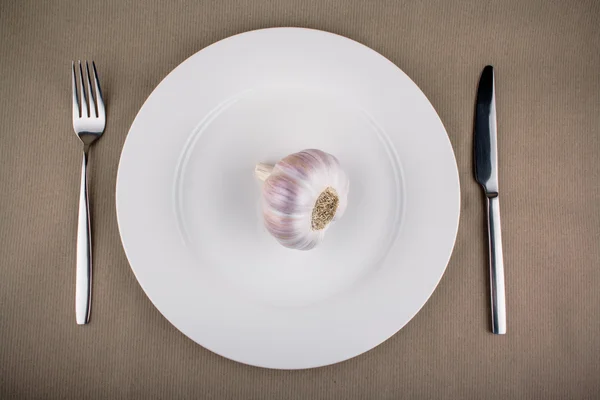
[(302, 195)]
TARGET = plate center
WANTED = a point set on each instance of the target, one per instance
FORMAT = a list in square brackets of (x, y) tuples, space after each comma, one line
[(218, 199)]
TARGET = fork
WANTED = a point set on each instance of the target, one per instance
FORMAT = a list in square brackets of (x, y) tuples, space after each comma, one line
[(88, 123)]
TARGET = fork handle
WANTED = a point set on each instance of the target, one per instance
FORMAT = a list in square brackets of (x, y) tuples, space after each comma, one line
[(83, 284)]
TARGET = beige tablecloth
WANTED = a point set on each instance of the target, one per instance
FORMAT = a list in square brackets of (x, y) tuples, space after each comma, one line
[(547, 55)]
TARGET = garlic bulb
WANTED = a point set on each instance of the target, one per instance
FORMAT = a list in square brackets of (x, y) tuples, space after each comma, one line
[(302, 194)]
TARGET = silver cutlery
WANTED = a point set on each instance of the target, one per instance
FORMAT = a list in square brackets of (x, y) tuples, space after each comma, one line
[(486, 174), (89, 120)]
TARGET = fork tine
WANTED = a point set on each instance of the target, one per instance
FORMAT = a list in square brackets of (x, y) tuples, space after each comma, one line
[(99, 98), (93, 111), (76, 113), (84, 107)]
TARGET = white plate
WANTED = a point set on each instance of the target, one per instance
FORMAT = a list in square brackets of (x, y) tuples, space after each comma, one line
[(188, 204)]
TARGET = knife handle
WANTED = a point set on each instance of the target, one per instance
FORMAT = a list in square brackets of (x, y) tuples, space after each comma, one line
[(498, 300)]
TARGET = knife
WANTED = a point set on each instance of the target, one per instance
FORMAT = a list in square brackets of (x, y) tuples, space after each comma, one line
[(486, 174)]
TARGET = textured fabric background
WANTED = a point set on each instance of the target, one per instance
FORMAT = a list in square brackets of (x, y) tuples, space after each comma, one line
[(547, 55)]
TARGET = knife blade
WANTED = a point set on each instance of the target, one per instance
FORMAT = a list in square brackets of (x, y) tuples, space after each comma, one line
[(486, 174)]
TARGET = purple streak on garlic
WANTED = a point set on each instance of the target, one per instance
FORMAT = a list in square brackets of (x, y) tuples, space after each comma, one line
[(303, 193)]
